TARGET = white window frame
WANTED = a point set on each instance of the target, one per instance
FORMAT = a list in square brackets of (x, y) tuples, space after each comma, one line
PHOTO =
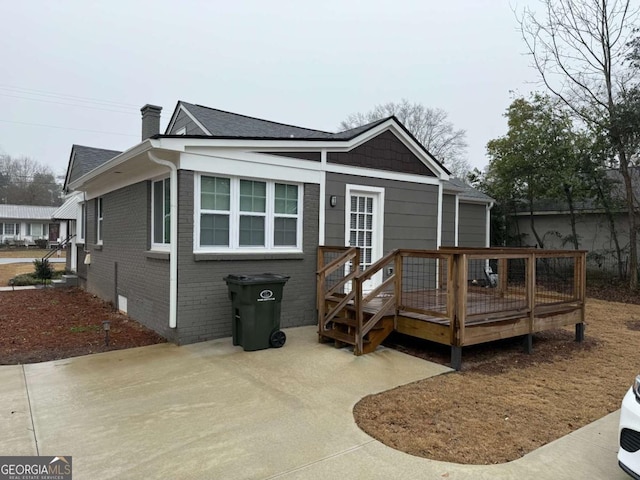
[(99, 221), (234, 217), (161, 246), (81, 224), (16, 229), (181, 131), (44, 229)]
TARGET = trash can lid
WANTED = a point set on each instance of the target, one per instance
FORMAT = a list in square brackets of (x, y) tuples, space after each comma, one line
[(256, 278)]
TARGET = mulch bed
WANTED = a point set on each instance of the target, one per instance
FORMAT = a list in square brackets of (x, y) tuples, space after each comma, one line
[(50, 324)]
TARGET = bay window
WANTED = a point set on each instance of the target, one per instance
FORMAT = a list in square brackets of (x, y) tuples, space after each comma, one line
[(247, 215)]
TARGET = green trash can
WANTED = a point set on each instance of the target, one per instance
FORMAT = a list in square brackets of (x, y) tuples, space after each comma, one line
[(255, 310)]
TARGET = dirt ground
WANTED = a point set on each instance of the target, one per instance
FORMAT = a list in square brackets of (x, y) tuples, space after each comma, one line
[(49, 324), (505, 403)]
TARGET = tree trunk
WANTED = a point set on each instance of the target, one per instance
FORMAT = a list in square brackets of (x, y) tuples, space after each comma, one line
[(572, 217), (612, 227), (633, 229), (533, 227)]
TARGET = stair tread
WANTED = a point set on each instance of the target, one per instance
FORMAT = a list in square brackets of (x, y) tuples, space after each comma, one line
[(351, 322), (341, 336)]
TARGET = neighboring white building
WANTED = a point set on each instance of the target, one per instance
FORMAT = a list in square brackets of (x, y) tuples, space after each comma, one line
[(24, 224)]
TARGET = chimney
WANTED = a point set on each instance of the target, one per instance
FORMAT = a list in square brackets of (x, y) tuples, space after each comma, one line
[(150, 121)]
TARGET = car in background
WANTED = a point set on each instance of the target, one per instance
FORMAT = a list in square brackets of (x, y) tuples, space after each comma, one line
[(629, 431)]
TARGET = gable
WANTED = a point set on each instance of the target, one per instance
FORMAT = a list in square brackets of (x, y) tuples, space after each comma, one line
[(383, 152), (185, 121)]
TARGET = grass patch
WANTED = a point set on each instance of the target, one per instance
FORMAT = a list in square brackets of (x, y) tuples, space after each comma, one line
[(84, 328)]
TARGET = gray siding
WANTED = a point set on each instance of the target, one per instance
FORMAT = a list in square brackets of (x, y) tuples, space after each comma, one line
[(448, 220), (183, 120), (143, 280), (410, 212), (204, 308), (472, 225)]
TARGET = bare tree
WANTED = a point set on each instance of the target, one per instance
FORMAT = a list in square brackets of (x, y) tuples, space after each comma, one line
[(580, 49), (24, 181), (430, 126)]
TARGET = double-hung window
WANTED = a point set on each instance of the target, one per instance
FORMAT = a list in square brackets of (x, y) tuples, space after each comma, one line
[(10, 229), (99, 222), (161, 223), (247, 215)]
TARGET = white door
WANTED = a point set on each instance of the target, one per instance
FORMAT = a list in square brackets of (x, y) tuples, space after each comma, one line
[(364, 226)]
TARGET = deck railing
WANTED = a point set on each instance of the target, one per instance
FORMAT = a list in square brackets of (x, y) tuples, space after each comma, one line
[(459, 286)]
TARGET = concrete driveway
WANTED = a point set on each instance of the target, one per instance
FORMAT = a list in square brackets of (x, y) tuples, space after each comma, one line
[(211, 410)]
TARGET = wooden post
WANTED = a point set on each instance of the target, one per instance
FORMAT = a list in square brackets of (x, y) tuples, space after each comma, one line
[(463, 276), (398, 286), (503, 273), (452, 297), (530, 287)]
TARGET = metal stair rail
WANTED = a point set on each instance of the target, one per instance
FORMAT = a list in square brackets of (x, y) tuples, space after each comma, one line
[(59, 247)]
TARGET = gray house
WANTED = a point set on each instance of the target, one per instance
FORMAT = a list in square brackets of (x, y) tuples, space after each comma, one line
[(160, 224)]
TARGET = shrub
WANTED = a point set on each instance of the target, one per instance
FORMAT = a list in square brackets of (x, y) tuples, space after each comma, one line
[(43, 269), (41, 243)]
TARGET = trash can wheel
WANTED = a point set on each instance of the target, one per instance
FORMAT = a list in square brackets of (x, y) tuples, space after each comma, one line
[(277, 338)]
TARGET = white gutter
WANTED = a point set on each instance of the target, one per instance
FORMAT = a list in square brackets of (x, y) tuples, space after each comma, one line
[(488, 227), (173, 247)]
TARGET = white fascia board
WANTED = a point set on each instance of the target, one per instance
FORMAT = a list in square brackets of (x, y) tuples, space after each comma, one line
[(249, 166), (115, 161), (476, 201), (382, 174)]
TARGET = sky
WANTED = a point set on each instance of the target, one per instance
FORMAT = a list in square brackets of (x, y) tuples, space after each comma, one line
[(77, 72)]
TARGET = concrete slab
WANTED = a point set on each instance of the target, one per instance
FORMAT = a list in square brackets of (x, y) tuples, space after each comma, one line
[(211, 410), (15, 416)]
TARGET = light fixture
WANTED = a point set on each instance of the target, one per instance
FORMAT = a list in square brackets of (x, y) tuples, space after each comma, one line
[(106, 326), (333, 200)]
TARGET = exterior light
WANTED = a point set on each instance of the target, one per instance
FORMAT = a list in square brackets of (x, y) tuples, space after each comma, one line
[(333, 200), (106, 326)]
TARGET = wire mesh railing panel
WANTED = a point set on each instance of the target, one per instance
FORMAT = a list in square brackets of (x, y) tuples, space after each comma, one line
[(555, 280), (496, 285), (424, 283), (335, 277)]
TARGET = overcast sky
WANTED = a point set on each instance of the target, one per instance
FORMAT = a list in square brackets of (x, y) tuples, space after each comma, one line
[(79, 71)]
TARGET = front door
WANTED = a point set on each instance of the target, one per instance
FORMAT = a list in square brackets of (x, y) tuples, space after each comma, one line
[(364, 226)]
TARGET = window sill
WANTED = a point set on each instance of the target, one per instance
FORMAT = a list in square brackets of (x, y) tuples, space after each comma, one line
[(97, 247), (239, 256), (157, 255)]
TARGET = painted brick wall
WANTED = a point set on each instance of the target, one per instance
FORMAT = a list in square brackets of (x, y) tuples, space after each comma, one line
[(143, 280), (204, 308)]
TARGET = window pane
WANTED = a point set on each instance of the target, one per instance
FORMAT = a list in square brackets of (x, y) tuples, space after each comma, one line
[(251, 231), (158, 213), (9, 229), (286, 199), (215, 193), (214, 230), (285, 232), (253, 196)]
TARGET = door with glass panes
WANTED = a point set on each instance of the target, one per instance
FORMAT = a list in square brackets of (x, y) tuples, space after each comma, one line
[(364, 228)]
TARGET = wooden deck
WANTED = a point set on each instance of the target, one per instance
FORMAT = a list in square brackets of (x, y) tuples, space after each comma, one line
[(535, 290)]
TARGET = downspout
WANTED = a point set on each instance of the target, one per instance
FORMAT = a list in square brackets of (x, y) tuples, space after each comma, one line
[(489, 206), (173, 245)]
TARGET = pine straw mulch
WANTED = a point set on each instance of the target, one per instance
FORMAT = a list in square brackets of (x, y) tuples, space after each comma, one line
[(505, 403)]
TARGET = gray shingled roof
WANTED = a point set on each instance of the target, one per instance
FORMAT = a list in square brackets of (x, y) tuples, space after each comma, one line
[(26, 212), (84, 159), (227, 124), (467, 191)]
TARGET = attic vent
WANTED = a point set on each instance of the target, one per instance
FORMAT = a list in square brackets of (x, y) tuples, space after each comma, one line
[(291, 136)]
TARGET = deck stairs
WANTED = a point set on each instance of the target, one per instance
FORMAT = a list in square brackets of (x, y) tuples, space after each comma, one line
[(342, 329)]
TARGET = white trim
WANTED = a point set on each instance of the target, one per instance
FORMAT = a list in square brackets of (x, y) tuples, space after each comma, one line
[(382, 174), (439, 225), (235, 214), (322, 207), (182, 131), (378, 217), (457, 222), (487, 242)]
